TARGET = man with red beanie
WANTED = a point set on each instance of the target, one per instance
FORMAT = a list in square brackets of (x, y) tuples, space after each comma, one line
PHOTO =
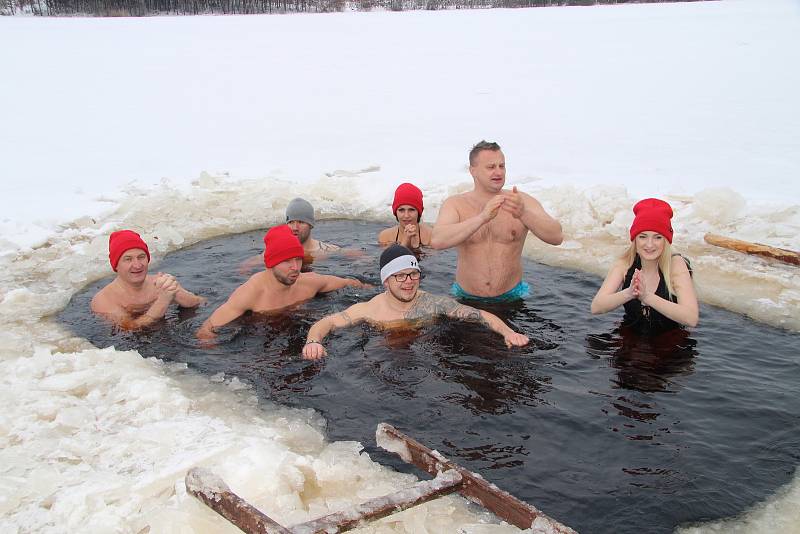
[(489, 225), (136, 299), (407, 208), (280, 285)]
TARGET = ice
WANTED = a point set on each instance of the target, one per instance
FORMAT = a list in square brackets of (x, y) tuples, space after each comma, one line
[(216, 135)]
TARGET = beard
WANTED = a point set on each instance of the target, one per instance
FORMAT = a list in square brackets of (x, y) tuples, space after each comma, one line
[(303, 235), (285, 279)]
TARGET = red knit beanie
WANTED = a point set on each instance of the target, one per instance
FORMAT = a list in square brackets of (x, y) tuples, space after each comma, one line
[(281, 244), (652, 215), (121, 241), (408, 194)]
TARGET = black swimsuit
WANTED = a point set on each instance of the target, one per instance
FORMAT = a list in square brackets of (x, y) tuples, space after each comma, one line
[(645, 318)]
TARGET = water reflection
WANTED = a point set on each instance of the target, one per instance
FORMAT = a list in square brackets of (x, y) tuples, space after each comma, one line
[(646, 363)]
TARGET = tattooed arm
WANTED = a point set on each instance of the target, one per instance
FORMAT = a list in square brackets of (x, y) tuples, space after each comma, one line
[(441, 305), (314, 349)]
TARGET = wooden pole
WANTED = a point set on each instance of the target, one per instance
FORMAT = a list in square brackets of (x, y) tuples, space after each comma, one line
[(423, 491), (213, 491), (476, 488), (780, 254)]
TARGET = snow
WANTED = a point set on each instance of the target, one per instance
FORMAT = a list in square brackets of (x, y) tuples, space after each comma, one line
[(184, 128)]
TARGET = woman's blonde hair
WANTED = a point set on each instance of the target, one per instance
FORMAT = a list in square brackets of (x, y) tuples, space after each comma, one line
[(664, 262)]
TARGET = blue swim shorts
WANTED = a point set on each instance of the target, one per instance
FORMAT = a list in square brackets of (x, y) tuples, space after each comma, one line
[(518, 292)]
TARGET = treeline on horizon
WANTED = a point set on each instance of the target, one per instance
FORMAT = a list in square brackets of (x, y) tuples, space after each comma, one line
[(144, 8)]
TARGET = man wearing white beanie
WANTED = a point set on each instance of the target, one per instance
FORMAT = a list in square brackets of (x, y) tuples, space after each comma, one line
[(403, 303)]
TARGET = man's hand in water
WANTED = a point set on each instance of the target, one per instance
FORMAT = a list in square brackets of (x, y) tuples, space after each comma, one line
[(515, 339), (514, 204), (314, 350), (492, 207)]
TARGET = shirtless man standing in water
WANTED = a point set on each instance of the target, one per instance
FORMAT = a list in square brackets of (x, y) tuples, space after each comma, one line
[(489, 226), (402, 303), (136, 299), (280, 285)]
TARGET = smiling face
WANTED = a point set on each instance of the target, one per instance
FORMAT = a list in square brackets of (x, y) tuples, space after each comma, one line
[(650, 245), (489, 170), (407, 214), (288, 271), (300, 229), (406, 290), (132, 266)]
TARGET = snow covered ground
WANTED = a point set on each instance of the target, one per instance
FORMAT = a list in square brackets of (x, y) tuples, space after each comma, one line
[(186, 128)]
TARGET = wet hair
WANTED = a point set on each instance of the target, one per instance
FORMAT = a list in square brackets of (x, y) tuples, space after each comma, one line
[(664, 262), (482, 145)]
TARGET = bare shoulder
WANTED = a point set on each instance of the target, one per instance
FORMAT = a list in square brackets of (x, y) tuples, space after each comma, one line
[(311, 279), (387, 235), (679, 265), (103, 301), (250, 290)]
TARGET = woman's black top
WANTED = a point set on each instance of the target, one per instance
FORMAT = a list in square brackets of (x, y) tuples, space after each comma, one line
[(644, 318)]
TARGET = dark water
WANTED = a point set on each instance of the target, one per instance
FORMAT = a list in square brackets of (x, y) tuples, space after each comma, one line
[(605, 431)]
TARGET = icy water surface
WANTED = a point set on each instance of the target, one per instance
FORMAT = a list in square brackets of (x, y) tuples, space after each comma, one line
[(603, 430)]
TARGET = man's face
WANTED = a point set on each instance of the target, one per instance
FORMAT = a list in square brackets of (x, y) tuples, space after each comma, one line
[(406, 290), (132, 266), (489, 170), (288, 271), (407, 215), (301, 229)]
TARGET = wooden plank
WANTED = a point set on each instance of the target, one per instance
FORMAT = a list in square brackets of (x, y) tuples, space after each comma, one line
[(476, 488), (780, 254), (213, 491), (445, 483)]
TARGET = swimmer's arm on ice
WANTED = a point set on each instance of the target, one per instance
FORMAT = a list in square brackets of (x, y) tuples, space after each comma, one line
[(237, 304), (686, 310), (451, 231), (537, 220), (610, 296), (314, 349)]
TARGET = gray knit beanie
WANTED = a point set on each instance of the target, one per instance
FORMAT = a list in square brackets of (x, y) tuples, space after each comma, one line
[(300, 209)]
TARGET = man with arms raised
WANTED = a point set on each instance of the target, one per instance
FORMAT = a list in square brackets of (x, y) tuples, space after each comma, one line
[(402, 303), (489, 226), (280, 285), (136, 299)]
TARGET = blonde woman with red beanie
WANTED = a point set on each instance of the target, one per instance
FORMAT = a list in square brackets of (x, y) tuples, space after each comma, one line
[(653, 285), (407, 208)]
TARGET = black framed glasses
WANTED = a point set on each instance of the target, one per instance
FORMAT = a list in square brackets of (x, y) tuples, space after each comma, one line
[(402, 277)]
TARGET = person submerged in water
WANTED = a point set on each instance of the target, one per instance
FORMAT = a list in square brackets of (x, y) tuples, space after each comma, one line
[(300, 218), (410, 231), (653, 285), (401, 305), (280, 285), (489, 225), (136, 299)]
